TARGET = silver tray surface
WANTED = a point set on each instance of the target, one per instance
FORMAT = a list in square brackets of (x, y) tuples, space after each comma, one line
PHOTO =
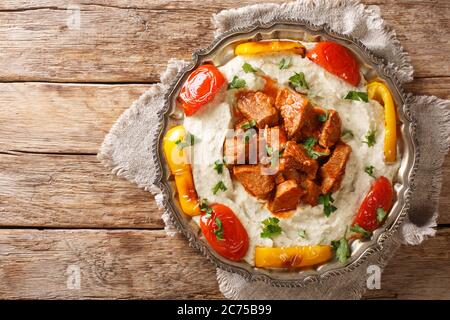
[(374, 66)]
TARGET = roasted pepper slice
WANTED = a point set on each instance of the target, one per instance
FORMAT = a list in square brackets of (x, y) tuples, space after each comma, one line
[(260, 47), (292, 257), (181, 169), (380, 92)]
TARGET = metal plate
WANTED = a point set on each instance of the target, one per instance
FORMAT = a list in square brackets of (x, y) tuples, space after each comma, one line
[(372, 66)]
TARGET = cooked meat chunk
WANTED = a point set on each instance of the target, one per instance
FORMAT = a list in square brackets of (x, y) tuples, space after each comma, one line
[(331, 130), (295, 111), (304, 162), (286, 197), (333, 171), (258, 106), (275, 137), (312, 192), (279, 178), (254, 181), (293, 174), (239, 151)]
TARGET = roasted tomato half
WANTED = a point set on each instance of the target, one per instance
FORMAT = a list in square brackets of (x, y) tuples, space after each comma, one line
[(376, 205), (200, 88), (337, 60), (224, 232)]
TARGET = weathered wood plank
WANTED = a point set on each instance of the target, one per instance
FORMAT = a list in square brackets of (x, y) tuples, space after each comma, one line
[(63, 118), (128, 42), (77, 116), (148, 264), (70, 191)]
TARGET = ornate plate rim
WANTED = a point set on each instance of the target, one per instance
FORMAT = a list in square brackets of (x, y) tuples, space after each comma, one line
[(298, 279)]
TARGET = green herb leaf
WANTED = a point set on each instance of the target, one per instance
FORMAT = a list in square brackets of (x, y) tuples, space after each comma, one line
[(236, 83), (204, 207), (357, 96), (342, 248), (189, 140), (218, 166), (219, 186), (298, 81), (347, 135), (302, 233), (381, 214), (284, 63), (249, 124), (370, 138), (271, 228), (358, 229), (309, 144), (219, 231), (369, 170), (274, 155), (326, 200), (247, 67), (323, 117)]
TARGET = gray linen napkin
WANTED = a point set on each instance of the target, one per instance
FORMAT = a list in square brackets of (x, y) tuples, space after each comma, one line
[(126, 150)]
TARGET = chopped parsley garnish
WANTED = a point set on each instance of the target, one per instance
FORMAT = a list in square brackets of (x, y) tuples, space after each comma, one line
[(271, 228), (347, 134), (298, 81), (323, 117), (218, 166), (342, 248), (204, 207), (358, 229), (326, 200), (188, 141), (381, 214), (236, 83), (219, 186), (313, 154), (284, 63), (274, 155), (369, 170), (249, 124), (247, 67), (219, 231), (370, 138), (357, 96), (302, 233)]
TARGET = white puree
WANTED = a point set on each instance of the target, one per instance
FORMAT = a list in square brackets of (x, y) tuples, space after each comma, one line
[(210, 125)]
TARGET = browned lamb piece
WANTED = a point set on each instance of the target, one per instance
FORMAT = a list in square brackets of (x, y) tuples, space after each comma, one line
[(254, 181), (287, 196), (275, 137), (295, 110), (312, 192), (331, 130), (259, 107), (304, 162), (333, 171)]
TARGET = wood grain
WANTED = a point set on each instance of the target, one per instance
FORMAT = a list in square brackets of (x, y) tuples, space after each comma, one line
[(119, 41), (148, 264), (70, 191), (50, 132)]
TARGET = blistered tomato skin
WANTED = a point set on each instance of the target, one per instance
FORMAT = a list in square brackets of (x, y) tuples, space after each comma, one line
[(380, 195), (200, 88), (233, 242), (337, 60)]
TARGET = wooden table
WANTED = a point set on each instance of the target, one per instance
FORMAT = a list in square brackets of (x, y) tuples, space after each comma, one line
[(61, 89)]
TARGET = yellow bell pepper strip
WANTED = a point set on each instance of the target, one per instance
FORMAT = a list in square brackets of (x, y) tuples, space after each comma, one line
[(181, 169), (260, 47), (292, 257), (380, 92)]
